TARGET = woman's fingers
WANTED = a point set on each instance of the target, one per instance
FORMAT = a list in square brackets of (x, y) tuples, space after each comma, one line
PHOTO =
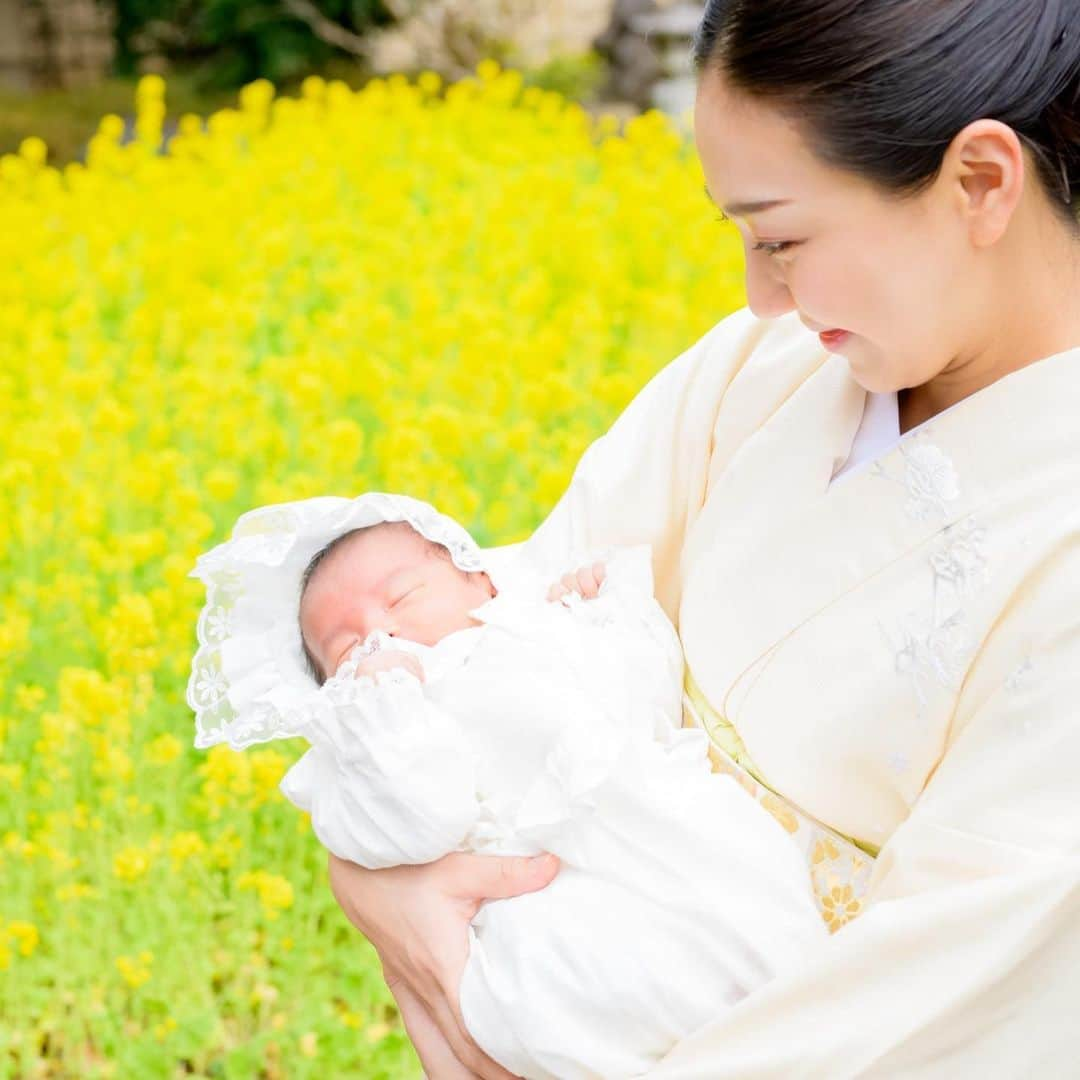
[(439, 995), (435, 1053), (425, 951), (437, 1028), (495, 877), (452, 1026)]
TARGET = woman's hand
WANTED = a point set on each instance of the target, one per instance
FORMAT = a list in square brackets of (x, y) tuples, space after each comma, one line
[(417, 918), (586, 581)]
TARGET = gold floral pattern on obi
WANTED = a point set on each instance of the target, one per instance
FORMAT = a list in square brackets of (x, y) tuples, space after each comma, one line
[(839, 868), (839, 906)]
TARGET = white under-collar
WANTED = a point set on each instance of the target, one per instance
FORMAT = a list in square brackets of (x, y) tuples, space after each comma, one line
[(878, 432)]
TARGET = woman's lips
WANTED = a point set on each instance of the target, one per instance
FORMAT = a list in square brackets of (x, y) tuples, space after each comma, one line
[(833, 338)]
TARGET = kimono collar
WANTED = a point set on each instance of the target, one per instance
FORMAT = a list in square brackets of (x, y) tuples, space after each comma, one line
[(775, 544)]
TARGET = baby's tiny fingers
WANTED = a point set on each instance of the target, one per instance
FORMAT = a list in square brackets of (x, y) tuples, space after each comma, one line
[(587, 582)]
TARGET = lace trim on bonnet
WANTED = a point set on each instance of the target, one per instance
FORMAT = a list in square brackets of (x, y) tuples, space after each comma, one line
[(249, 681)]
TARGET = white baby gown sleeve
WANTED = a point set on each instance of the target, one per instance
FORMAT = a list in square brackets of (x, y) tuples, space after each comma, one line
[(389, 778)]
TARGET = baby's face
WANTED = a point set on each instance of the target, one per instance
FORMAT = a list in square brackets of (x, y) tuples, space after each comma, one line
[(387, 579)]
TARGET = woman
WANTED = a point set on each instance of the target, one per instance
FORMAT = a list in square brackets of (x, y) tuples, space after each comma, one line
[(869, 539)]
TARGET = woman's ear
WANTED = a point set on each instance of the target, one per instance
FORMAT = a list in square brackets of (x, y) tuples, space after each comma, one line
[(988, 169)]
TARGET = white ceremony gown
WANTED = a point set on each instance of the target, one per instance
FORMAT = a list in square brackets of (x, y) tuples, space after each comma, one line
[(555, 728)]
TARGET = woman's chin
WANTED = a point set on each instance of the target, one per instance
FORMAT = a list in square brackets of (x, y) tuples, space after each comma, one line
[(870, 377)]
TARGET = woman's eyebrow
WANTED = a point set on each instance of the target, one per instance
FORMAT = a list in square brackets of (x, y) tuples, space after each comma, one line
[(738, 209)]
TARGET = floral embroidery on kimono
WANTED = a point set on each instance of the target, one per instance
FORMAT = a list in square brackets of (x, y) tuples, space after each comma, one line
[(933, 646)]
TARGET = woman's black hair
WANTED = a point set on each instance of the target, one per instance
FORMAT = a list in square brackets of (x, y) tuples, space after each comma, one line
[(883, 86)]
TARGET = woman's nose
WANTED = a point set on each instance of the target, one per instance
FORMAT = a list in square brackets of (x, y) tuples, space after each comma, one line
[(767, 294)]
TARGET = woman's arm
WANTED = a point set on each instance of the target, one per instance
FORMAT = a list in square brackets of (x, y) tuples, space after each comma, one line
[(644, 481), (966, 961), (640, 483), (417, 918)]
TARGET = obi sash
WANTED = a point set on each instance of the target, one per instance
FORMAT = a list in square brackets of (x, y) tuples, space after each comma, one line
[(839, 866)]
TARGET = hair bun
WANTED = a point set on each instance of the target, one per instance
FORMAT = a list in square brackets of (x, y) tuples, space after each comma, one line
[(1062, 115)]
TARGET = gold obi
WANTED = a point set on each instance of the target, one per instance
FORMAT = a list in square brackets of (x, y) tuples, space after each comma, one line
[(839, 866)]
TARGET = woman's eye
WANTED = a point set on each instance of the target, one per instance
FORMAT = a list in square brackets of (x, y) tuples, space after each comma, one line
[(769, 247), (774, 248)]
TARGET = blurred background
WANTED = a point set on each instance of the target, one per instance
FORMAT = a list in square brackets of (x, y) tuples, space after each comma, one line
[(64, 63), (254, 252)]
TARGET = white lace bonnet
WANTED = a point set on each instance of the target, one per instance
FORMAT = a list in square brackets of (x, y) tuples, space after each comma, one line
[(249, 681)]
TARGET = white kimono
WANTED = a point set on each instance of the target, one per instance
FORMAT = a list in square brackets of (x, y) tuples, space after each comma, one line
[(556, 729), (898, 652)]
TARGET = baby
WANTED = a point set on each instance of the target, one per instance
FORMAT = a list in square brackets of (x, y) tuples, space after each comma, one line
[(389, 578), (451, 706)]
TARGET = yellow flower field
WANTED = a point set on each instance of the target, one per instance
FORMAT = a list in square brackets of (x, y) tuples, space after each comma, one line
[(442, 291)]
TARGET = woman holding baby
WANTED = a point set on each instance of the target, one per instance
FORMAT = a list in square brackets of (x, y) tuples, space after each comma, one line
[(860, 493)]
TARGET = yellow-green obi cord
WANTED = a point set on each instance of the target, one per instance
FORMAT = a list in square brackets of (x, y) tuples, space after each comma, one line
[(720, 729), (839, 865)]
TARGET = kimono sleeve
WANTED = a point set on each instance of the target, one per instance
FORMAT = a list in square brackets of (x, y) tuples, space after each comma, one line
[(966, 959), (641, 481), (389, 778)]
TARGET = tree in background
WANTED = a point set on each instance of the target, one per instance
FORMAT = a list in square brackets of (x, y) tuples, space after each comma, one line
[(231, 42), (234, 41), (452, 36)]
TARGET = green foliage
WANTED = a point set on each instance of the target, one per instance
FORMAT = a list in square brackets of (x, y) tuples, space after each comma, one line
[(576, 77), (235, 41)]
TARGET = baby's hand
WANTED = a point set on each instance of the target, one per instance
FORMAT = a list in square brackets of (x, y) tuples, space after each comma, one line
[(586, 581), (386, 659)]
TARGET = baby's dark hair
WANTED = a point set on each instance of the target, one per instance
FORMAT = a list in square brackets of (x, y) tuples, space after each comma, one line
[(883, 86), (314, 667)]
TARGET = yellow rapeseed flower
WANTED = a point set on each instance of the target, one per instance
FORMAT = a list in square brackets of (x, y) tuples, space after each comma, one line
[(185, 845), (24, 935), (275, 893), (131, 863), (163, 750), (443, 290), (136, 971)]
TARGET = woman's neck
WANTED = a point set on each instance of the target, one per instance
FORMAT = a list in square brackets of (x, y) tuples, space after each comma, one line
[(1035, 314), (912, 411)]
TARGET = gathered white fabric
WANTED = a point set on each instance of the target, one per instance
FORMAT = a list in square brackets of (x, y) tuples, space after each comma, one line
[(249, 682), (556, 727)]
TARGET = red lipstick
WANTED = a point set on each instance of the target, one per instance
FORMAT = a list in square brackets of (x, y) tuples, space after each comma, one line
[(832, 339)]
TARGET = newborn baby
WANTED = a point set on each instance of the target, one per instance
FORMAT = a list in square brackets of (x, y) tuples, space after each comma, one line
[(386, 578), (451, 707)]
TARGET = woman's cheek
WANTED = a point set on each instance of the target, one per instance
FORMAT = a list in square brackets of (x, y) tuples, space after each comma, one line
[(832, 292)]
